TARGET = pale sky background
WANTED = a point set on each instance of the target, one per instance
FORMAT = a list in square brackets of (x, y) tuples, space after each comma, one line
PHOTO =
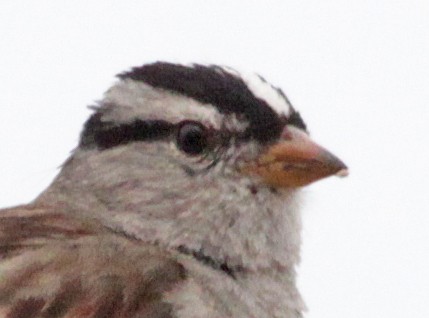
[(358, 71)]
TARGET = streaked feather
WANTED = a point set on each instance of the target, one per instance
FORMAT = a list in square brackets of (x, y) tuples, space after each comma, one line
[(54, 265)]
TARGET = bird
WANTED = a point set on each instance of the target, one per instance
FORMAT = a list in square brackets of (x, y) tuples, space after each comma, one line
[(181, 199)]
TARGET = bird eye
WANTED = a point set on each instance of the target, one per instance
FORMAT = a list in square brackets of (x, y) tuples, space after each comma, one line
[(191, 138)]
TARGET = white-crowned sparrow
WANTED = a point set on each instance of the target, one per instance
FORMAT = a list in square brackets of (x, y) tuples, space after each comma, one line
[(180, 201)]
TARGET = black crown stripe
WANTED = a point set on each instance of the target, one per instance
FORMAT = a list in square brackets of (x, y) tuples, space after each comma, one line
[(207, 84), (213, 85)]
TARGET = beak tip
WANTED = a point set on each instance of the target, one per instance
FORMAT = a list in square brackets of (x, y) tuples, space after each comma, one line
[(338, 167), (342, 173)]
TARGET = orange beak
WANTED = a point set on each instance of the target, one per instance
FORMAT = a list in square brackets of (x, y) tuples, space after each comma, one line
[(295, 161)]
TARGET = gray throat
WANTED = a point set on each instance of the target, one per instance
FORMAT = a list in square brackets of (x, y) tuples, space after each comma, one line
[(223, 217)]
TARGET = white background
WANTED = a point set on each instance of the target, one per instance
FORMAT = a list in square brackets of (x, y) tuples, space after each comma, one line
[(358, 71)]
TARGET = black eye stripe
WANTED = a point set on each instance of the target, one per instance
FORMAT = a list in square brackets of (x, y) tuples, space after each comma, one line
[(104, 134), (189, 136)]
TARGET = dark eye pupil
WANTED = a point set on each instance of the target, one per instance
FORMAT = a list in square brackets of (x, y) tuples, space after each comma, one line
[(191, 139)]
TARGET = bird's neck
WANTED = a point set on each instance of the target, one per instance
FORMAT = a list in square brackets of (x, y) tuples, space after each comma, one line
[(224, 219)]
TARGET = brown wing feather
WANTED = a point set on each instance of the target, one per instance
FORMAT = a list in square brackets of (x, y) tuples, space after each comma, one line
[(53, 265)]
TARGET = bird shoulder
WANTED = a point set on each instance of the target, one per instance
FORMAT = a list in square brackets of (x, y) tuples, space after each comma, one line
[(55, 265)]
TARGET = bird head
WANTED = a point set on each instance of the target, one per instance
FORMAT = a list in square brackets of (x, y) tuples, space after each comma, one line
[(209, 116), (198, 156)]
